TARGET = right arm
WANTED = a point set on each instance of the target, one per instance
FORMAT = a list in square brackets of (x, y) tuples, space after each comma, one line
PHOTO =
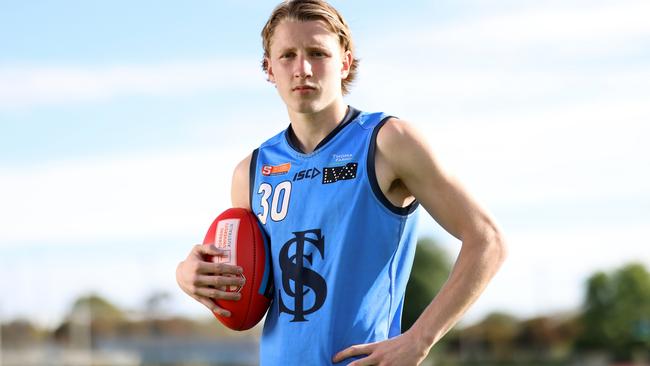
[(201, 279), (240, 184)]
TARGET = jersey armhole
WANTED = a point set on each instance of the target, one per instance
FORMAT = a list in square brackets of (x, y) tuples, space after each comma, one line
[(251, 177), (372, 176)]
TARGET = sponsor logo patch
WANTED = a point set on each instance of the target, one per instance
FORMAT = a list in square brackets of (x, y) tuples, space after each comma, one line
[(338, 158), (276, 169), (337, 173), (306, 174)]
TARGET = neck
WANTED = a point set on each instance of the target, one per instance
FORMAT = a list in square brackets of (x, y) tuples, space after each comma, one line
[(311, 128)]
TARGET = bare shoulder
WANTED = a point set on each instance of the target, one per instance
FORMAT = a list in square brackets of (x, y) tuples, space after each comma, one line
[(399, 133), (395, 128), (240, 183), (409, 156), (405, 149)]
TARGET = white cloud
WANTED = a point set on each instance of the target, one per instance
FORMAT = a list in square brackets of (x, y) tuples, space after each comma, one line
[(132, 196), (461, 87), (118, 199), (539, 24), (583, 151), (24, 86)]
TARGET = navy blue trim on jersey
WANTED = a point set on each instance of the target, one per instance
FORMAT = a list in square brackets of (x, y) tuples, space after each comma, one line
[(351, 114), (251, 177), (266, 286), (372, 176)]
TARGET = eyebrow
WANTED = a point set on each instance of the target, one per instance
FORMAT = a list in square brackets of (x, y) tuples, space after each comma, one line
[(309, 48)]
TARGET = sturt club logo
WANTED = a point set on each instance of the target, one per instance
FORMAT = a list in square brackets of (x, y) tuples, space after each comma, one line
[(307, 288)]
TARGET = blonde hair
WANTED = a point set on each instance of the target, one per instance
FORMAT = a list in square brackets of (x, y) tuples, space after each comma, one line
[(309, 10)]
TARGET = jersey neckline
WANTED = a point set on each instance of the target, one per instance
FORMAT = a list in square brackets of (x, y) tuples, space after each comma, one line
[(351, 114)]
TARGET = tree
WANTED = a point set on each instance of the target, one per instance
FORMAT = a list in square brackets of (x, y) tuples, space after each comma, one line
[(431, 267), (90, 316), (156, 303), (20, 333), (616, 314), (99, 307), (549, 336), (500, 331)]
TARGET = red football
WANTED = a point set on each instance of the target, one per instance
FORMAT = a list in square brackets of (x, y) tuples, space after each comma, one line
[(237, 231)]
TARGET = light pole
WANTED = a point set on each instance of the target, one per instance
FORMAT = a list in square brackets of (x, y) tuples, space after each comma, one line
[(81, 332), (0, 335)]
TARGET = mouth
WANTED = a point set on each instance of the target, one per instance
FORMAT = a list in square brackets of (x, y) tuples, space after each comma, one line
[(303, 88)]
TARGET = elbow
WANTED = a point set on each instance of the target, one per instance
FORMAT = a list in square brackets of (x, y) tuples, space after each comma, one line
[(489, 243), (496, 247)]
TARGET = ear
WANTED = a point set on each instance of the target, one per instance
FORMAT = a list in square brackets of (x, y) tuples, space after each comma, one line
[(346, 64), (269, 70)]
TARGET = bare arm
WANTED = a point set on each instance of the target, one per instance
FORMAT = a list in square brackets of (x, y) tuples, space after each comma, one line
[(201, 279), (483, 249), (240, 184), (405, 160)]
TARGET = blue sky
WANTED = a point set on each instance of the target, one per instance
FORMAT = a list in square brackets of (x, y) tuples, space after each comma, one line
[(120, 124)]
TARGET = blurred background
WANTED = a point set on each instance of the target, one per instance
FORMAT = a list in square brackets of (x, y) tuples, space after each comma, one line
[(121, 123)]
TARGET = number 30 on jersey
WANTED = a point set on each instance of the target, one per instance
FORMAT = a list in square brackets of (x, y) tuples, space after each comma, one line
[(279, 201)]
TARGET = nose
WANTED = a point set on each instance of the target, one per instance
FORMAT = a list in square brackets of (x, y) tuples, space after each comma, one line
[(303, 68)]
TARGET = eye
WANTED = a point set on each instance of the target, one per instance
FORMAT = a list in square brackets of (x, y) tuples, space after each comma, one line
[(318, 54), (287, 55)]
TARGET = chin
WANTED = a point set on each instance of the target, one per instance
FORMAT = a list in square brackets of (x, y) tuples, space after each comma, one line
[(306, 106)]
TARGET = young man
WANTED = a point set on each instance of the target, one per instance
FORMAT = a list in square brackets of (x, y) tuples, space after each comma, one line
[(337, 193)]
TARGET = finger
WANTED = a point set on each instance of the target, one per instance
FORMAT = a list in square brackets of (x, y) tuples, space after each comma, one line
[(219, 281), (219, 268), (210, 250), (362, 362), (357, 350), (218, 294), (212, 306)]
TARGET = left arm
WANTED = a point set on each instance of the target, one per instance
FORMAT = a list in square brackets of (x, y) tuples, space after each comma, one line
[(404, 157)]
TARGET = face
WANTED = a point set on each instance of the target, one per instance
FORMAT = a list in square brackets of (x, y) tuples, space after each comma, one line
[(307, 64)]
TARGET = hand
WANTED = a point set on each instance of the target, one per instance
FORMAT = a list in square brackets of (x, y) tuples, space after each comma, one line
[(203, 279), (404, 349)]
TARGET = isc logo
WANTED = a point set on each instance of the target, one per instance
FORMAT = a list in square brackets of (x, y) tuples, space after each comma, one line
[(307, 173)]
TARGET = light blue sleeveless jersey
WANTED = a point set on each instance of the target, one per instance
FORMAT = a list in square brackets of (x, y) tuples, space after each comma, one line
[(341, 252)]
